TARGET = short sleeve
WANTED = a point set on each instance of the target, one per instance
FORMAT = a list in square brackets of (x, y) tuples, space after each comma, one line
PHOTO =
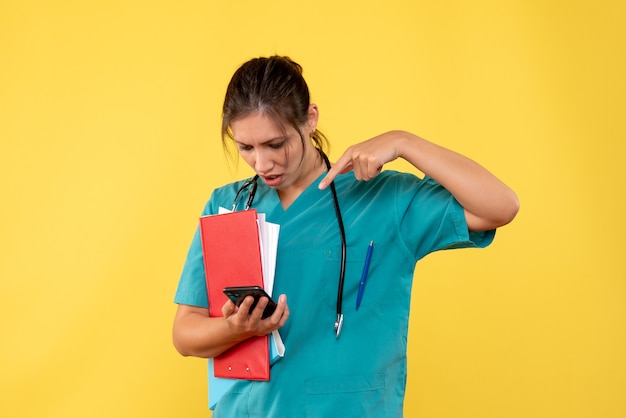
[(192, 288), (431, 219), (192, 285)]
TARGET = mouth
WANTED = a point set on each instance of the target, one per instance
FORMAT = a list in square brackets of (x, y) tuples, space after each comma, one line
[(272, 181)]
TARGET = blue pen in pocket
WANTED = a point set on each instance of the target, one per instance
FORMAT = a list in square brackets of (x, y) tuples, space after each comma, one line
[(366, 266)]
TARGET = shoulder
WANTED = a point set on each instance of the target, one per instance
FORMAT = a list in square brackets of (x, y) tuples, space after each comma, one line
[(228, 190), (394, 190), (388, 181), (222, 196)]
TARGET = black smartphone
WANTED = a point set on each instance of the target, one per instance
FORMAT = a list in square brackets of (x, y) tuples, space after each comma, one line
[(238, 293)]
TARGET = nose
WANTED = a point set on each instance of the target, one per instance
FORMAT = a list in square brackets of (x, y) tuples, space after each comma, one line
[(263, 163)]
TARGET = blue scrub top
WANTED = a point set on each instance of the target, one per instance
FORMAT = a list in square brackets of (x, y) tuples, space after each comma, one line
[(363, 373)]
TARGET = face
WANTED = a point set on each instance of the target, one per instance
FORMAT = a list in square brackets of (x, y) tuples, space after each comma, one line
[(276, 155)]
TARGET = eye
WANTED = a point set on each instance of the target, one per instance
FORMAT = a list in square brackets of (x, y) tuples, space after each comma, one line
[(244, 147), (277, 145)]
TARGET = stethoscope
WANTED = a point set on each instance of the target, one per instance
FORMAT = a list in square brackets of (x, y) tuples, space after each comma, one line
[(251, 185)]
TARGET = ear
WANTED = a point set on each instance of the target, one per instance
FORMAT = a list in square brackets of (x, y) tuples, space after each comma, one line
[(312, 118)]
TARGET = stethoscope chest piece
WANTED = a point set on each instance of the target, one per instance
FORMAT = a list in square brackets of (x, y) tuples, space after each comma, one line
[(338, 324)]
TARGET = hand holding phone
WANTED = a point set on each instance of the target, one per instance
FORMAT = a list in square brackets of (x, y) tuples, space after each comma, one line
[(238, 293)]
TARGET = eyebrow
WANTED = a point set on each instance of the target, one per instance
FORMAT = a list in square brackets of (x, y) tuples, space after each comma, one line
[(277, 138)]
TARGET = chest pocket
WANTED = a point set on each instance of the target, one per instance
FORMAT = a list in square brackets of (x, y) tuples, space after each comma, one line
[(354, 267)]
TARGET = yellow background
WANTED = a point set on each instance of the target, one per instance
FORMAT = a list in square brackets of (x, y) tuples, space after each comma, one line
[(109, 147)]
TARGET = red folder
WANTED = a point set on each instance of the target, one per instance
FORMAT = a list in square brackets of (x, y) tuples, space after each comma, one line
[(232, 257)]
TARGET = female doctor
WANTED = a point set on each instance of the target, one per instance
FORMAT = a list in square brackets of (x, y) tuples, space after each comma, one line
[(340, 361)]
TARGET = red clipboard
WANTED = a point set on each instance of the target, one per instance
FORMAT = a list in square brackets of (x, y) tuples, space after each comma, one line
[(232, 257)]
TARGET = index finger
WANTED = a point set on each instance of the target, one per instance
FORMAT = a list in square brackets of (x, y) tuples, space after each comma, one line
[(343, 165)]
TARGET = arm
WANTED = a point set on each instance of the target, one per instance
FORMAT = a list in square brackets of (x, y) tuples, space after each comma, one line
[(488, 203), (196, 334)]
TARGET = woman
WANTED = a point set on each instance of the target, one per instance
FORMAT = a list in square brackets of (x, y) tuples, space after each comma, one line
[(362, 371)]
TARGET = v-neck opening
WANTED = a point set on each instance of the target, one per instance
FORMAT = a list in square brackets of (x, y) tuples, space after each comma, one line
[(311, 188)]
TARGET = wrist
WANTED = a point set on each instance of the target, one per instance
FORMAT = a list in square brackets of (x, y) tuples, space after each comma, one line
[(406, 145)]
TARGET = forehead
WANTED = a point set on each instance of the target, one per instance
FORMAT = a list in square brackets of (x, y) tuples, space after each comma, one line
[(258, 126)]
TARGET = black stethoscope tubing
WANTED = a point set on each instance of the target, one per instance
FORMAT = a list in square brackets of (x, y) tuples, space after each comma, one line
[(251, 185), (342, 268)]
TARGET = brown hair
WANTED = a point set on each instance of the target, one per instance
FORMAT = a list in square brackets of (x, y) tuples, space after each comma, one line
[(273, 86)]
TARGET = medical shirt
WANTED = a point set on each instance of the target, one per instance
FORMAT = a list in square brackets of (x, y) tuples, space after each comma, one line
[(363, 372)]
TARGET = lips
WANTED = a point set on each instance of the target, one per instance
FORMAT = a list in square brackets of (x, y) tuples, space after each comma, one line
[(272, 181)]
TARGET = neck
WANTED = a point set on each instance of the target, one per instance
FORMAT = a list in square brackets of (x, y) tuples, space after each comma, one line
[(314, 166)]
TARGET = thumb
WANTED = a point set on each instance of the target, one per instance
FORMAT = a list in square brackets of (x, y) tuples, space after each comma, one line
[(228, 309)]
